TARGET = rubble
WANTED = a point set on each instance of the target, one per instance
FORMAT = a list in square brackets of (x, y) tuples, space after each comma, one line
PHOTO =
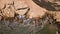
[(57, 16)]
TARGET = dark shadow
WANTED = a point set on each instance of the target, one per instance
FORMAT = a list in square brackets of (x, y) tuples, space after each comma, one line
[(47, 5)]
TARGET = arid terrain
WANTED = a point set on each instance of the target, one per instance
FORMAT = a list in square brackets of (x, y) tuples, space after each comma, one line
[(29, 16)]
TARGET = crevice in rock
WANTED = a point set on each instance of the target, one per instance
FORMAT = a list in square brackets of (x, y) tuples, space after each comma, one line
[(47, 5)]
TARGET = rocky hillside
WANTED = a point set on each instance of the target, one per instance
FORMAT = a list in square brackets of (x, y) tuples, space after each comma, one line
[(29, 16)]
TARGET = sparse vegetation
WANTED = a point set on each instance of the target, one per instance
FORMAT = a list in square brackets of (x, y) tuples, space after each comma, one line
[(29, 17)]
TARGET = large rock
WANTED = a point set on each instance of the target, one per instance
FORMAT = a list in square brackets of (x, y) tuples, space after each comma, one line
[(35, 10), (8, 11), (21, 7), (1, 4), (10, 7), (19, 4), (22, 12)]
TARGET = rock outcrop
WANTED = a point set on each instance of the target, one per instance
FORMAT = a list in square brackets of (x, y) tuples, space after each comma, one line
[(8, 8), (28, 16)]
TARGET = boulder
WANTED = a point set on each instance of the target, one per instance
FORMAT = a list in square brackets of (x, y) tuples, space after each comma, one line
[(22, 12), (8, 11), (20, 6), (35, 10)]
